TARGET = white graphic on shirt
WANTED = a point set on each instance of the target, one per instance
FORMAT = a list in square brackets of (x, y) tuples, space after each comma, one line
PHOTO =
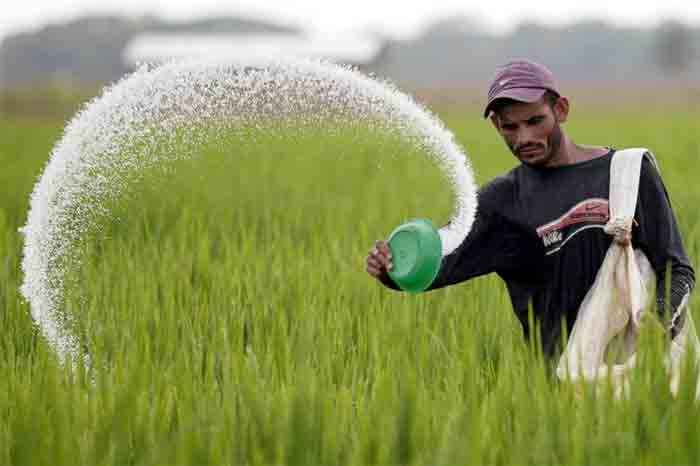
[(594, 212), (551, 238)]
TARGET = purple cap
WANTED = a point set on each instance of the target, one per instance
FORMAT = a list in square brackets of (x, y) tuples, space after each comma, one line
[(521, 80)]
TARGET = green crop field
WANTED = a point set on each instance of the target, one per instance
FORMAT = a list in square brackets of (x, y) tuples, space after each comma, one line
[(230, 320)]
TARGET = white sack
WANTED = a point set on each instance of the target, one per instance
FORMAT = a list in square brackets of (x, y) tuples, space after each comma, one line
[(613, 307)]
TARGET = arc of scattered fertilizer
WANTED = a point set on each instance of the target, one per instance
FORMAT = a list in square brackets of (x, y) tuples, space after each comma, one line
[(92, 161)]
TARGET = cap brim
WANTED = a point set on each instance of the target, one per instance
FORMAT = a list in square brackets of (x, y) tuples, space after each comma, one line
[(526, 95)]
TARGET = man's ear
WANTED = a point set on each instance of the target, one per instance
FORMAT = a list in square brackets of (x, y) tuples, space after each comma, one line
[(561, 109), (494, 120)]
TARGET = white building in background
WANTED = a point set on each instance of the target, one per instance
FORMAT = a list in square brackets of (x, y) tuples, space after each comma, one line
[(160, 47)]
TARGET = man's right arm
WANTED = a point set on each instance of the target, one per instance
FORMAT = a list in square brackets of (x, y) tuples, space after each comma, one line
[(492, 244), (478, 255)]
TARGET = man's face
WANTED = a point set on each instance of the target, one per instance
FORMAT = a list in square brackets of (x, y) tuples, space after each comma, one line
[(533, 131)]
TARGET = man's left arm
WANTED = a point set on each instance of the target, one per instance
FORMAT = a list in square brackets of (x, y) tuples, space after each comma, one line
[(660, 239)]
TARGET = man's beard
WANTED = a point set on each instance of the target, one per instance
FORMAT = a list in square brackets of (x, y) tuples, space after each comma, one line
[(554, 141)]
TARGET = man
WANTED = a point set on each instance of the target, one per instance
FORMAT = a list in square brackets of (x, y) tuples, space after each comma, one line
[(540, 226)]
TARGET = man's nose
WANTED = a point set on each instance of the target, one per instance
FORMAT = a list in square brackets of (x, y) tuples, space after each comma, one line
[(523, 138)]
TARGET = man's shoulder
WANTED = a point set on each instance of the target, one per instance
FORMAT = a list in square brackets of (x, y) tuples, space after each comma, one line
[(648, 158), (649, 161), (649, 169), (650, 174)]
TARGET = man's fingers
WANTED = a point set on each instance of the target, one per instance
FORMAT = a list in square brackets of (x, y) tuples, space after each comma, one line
[(383, 252), (380, 254), (383, 247), (371, 262), (379, 259), (376, 272), (385, 262)]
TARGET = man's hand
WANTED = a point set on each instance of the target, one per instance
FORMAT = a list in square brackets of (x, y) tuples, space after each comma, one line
[(379, 260)]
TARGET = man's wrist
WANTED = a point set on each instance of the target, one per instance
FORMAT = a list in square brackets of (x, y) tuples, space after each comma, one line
[(386, 280)]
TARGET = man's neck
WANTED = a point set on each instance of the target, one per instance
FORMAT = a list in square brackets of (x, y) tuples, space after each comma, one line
[(570, 153)]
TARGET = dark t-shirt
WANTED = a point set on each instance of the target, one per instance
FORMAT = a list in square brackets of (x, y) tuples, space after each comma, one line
[(541, 231)]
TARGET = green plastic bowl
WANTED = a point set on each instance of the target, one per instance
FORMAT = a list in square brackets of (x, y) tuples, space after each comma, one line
[(416, 252)]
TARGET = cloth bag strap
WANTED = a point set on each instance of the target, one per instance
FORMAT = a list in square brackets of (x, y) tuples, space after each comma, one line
[(625, 171)]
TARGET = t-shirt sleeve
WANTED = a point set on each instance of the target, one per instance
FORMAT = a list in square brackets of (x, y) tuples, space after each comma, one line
[(494, 244), (490, 246), (477, 255), (659, 237)]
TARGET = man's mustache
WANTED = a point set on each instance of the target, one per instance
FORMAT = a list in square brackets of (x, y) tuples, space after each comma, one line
[(528, 147)]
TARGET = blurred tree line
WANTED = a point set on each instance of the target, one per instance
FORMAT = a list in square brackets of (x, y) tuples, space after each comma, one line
[(77, 58)]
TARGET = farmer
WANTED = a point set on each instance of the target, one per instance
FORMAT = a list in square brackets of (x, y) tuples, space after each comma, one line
[(540, 226)]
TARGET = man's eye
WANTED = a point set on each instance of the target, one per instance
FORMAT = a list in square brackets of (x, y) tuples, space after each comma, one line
[(535, 120), (508, 127)]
